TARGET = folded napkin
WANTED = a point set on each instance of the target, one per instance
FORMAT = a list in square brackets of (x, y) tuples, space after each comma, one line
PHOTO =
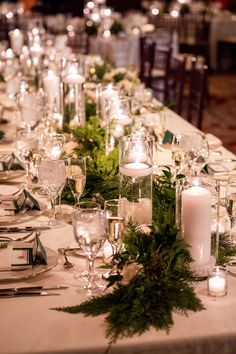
[(213, 141), (23, 202), (5, 258), (10, 162)]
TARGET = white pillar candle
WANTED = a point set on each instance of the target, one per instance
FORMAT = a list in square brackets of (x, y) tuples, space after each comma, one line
[(136, 169), (74, 79), (51, 85), (17, 41), (196, 223)]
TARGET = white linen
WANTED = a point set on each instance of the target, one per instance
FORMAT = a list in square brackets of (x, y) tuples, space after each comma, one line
[(30, 326)]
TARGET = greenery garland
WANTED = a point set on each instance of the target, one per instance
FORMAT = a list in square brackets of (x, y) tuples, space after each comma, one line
[(154, 277)]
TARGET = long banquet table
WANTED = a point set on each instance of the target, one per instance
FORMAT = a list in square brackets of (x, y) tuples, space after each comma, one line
[(29, 325)]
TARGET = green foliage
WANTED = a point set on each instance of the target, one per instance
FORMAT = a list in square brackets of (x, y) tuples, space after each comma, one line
[(90, 110), (1, 134), (161, 283), (3, 245), (116, 28), (91, 29), (227, 249)]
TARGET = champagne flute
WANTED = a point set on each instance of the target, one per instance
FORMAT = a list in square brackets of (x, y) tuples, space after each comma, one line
[(89, 225), (230, 202), (26, 145), (115, 225), (76, 176), (178, 154), (52, 177)]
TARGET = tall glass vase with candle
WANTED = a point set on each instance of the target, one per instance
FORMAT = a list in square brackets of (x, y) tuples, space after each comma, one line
[(230, 202), (73, 93), (135, 163), (52, 177), (200, 201), (118, 120)]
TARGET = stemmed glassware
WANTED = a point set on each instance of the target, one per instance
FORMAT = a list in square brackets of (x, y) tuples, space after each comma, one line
[(54, 146), (178, 154), (26, 144), (89, 225), (115, 225), (231, 204), (196, 151), (52, 177), (76, 176)]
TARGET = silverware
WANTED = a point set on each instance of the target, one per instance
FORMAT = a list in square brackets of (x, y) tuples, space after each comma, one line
[(10, 239), (11, 294), (33, 288), (216, 162), (4, 229)]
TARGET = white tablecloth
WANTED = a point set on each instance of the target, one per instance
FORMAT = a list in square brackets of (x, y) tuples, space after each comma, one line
[(29, 326)]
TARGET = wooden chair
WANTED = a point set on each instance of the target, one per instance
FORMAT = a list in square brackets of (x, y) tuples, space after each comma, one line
[(146, 59), (79, 42), (197, 93)]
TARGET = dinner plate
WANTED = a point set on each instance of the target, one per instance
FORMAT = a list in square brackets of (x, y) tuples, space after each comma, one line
[(13, 275), (10, 175), (20, 218)]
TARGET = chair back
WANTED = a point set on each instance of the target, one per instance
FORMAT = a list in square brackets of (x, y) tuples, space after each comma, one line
[(197, 93), (146, 59)]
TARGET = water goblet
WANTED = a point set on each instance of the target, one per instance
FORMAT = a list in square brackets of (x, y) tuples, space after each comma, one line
[(89, 225), (26, 145), (196, 149), (230, 202), (76, 176), (115, 226), (52, 177), (54, 146)]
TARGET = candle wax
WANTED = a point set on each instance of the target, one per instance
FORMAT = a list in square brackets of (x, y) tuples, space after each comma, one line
[(136, 169)]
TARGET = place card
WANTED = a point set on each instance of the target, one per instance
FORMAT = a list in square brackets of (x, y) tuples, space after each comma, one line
[(22, 256), (11, 205), (39, 252)]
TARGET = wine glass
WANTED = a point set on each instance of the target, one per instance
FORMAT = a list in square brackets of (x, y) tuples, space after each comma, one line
[(230, 202), (76, 176), (52, 177), (178, 154), (196, 151), (89, 225), (54, 146), (115, 225), (26, 145)]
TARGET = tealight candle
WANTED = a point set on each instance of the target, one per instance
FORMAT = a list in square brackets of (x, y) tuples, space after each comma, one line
[(74, 79), (196, 223), (217, 282), (136, 169)]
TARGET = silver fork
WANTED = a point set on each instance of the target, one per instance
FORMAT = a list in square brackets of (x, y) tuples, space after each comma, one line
[(11, 239)]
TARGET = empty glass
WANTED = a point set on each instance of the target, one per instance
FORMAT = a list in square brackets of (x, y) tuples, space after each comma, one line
[(230, 202), (52, 177), (26, 145), (54, 146)]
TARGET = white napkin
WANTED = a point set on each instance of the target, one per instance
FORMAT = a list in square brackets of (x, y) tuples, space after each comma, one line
[(213, 141), (5, 258)]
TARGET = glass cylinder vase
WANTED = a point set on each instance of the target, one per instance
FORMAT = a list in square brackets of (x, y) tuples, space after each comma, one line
[(73, 94), (135, 191)]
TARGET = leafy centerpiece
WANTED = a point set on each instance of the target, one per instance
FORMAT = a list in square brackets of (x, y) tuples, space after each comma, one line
[(154, 279)]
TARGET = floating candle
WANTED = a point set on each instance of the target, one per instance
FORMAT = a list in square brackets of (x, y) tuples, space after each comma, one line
[(136, 169)]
